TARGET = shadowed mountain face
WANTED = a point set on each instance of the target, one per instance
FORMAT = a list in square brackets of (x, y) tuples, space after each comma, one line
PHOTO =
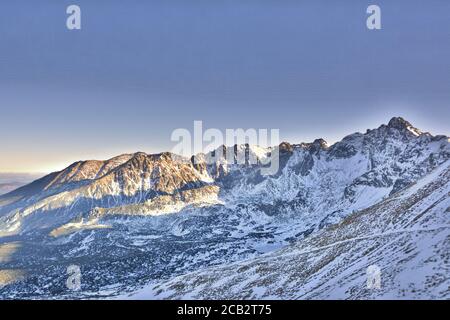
[(144, 217)]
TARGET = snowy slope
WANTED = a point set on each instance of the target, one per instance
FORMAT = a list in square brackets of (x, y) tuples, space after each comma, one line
[(407, 236)]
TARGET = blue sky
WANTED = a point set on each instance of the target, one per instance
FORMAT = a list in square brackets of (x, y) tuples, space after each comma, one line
[(140, 69)]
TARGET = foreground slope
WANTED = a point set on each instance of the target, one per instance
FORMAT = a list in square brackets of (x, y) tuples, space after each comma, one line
[(407, 236)]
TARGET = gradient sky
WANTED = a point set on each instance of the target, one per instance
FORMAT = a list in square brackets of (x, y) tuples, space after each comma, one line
[(139, 69)]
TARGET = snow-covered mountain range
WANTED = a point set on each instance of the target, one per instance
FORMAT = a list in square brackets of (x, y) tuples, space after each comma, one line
[(163, 226)]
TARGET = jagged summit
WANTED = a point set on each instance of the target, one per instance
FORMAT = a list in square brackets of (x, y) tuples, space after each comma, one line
[(321, 143), (401, 124), (92, 169)]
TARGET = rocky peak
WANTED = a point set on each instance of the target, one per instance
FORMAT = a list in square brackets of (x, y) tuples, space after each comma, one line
[(286, 147), (321, 143), (401, 124)]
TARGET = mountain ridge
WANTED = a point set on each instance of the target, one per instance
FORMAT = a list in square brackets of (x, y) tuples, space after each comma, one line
[(139, 178)]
